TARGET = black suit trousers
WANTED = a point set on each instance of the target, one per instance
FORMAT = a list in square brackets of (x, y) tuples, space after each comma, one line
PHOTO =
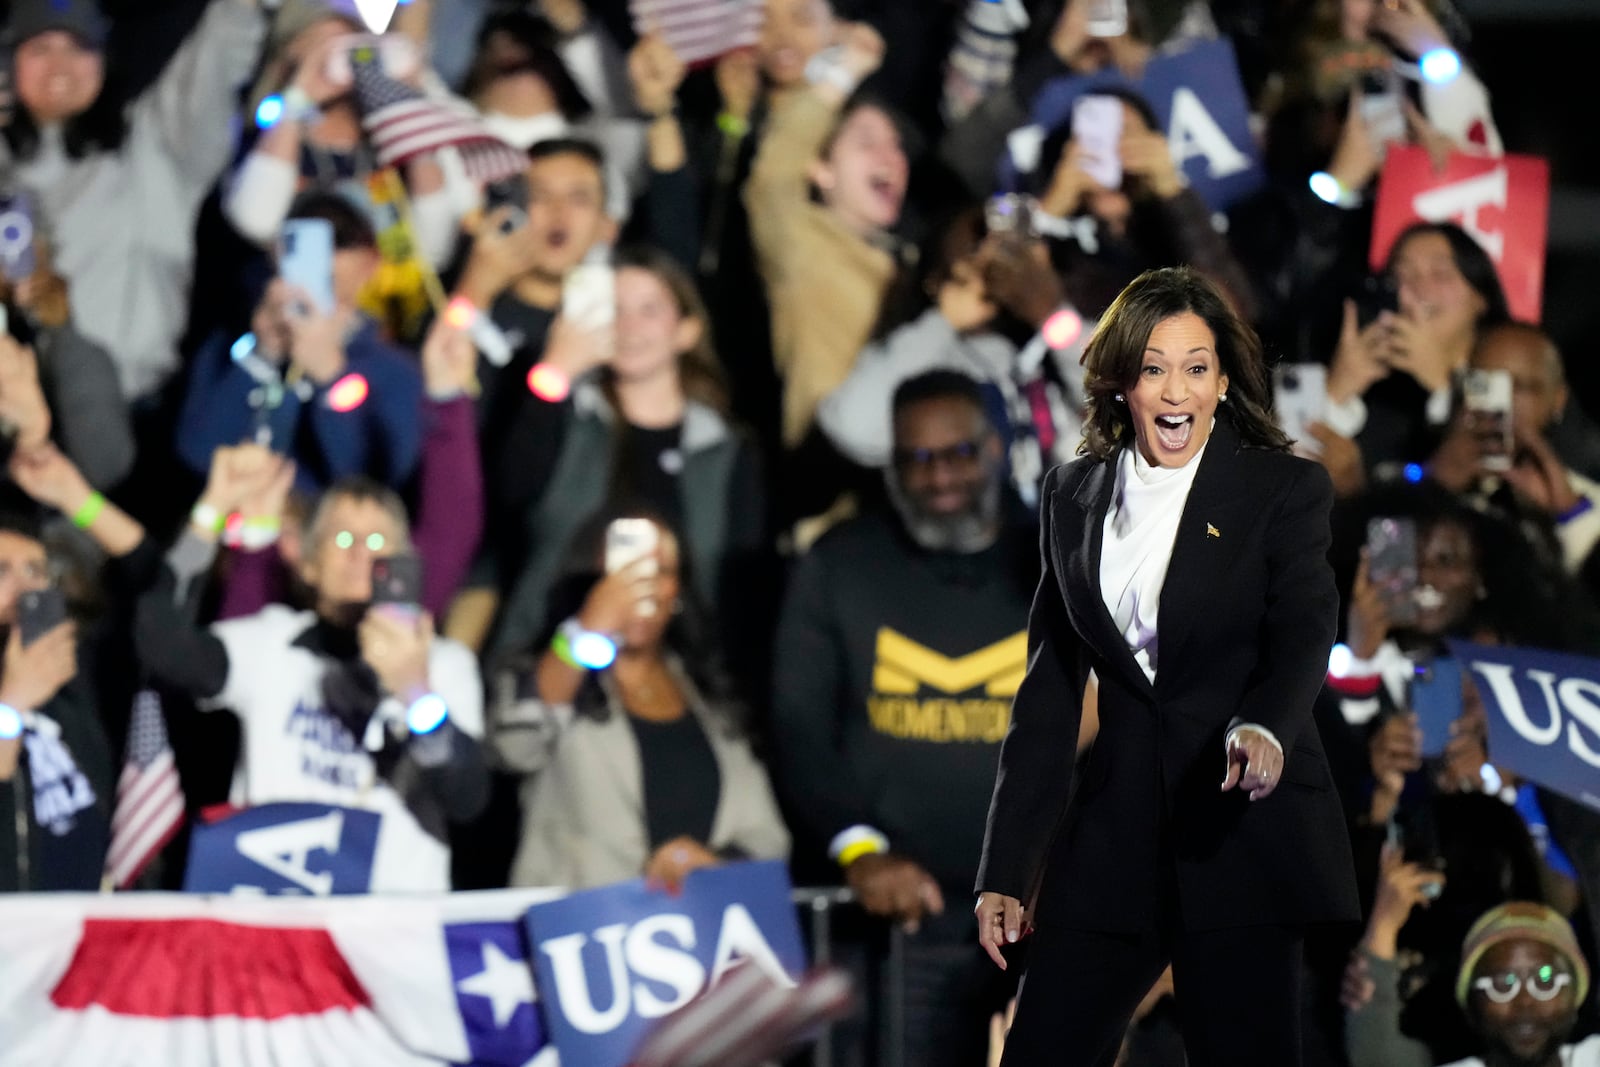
[(1237, 992)]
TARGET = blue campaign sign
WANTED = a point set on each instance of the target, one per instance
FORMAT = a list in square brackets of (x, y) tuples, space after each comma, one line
[(1198, 98), (611, 962), (291, 849), (1544, 715)]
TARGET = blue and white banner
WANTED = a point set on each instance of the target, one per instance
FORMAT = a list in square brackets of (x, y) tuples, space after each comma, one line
[(611, 962), (1544, 715), (182, 980), (1198, 98), (313, 849)]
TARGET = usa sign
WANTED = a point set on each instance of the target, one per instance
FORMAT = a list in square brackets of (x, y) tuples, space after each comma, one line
[(611, 962), (294, 849), (1502, 201), (1544, 715)]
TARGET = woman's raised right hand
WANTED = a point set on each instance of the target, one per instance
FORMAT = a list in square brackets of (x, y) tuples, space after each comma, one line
[(619, 597), (1000, 922)]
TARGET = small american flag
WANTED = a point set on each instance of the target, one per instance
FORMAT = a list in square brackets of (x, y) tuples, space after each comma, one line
[(402, 124), (700, 30), (149, 797)]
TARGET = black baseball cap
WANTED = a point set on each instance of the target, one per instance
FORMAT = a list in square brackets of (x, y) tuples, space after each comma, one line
[(81, 18)]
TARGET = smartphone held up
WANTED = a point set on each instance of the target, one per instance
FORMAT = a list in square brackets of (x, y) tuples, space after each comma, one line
[(305, 261), (1301, 399), (1392, 566), (630, 542), (1486, 397)]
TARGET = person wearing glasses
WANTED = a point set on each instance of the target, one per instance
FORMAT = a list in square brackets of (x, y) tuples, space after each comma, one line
[(1185, 567), (351, 702), (898, 650), (1522, 982)]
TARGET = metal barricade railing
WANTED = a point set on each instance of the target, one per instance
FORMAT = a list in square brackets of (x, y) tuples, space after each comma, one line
[(819, 905)]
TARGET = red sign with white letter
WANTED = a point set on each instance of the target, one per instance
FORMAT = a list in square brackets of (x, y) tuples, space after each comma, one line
[(1502, 201)]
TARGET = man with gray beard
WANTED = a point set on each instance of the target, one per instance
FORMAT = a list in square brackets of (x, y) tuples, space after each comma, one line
[(901, 643)]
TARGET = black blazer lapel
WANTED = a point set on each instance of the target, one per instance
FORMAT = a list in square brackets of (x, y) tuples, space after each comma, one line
[(1203, 553), (1079, 533)]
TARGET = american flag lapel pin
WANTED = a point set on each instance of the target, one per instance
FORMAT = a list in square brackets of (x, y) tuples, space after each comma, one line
[(1212, 531)]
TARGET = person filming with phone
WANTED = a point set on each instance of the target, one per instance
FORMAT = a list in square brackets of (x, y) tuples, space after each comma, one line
[(353, 702), (1116, 204), (313, 379), (629, 681), (1502, 451), (55, 761)]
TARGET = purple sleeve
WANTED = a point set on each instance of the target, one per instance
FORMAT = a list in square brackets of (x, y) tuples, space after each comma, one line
[(450, 501), (255, 579)]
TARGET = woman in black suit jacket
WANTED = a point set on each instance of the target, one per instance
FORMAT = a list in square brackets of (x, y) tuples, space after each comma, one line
[(1186, 537)]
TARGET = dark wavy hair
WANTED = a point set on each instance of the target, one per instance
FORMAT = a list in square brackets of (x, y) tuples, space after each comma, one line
[(1116, 352), (538, 41), (1470, 259)]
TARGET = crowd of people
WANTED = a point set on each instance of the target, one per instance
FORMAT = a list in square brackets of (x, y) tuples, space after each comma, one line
[(671, 496)]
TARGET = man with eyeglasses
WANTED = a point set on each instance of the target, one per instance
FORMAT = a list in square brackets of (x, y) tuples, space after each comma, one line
[(352, 703), (900, 645), (1522, 982), (55, 769)]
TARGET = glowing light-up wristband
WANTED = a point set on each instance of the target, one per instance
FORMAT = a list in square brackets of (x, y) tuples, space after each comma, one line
[(549, 383), (1331, 190), (84, 517), (427, 713), (348, 393), (463, 314), (581, 649), (10, 723)]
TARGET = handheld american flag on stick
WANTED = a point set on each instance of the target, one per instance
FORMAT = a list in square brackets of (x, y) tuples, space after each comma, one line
[(149, 797), (401, 124)]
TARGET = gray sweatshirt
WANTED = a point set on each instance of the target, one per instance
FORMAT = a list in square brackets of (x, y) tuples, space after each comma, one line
[(90, 417), (122, 223)]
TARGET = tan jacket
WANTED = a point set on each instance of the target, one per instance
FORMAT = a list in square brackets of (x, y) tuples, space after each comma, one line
[(583, 818), (825, 283)]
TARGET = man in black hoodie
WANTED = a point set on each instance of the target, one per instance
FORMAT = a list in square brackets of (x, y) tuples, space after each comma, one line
[(900, 646)]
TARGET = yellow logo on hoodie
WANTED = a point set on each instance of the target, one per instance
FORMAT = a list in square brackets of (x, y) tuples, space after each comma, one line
[(975, 705)]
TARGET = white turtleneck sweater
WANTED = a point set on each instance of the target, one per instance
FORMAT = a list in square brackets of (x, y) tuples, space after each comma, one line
[(1141, 527)]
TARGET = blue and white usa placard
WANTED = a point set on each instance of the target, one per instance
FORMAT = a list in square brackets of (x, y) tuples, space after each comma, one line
[(1544, 715), (611, 962), (295, 849), (1198, 98)]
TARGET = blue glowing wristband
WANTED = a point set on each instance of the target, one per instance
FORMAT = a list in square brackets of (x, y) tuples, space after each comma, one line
[(427, 713), (10, 723)]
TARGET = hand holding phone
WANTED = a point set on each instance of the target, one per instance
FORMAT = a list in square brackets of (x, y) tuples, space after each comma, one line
[(392, 53), (589, 297), (1436, 697), (509, 197), (38, 612), (1382, 110), (1097, 130), (305, 261), (1486, 396), (1012, 213), (1301, 395), (397, 582), (630, 542), (43, 656), (17, 261), (1392, 567), (1108, 18)]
